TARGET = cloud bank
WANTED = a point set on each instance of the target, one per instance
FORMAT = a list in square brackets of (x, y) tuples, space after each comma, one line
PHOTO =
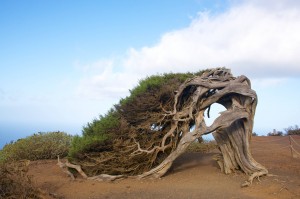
[(260, 40)]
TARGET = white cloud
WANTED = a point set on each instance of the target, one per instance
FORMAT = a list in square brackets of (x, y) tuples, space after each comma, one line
[(272, 4), (247, 38), (102, 81), (259, 40)]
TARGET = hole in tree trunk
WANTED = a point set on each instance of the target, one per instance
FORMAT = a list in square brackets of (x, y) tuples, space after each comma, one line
[(213, 113)]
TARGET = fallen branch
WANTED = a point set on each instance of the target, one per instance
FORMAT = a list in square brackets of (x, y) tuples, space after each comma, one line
[(66, 165)]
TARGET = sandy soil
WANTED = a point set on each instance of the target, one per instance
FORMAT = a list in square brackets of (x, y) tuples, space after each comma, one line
[(193, 175)]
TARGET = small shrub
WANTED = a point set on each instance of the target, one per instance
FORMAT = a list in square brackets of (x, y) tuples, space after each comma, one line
[(292, 130), (38, 146), (15, 183), (202, 147), (277, 133)]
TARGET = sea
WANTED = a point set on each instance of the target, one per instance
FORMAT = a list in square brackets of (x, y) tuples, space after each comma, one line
[(13, 132)]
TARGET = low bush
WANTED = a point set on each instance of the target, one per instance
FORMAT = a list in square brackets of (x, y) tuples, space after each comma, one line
[(202, 147), (36, 147), (293, 130), (276, 133), (15, 183), (254, 134)]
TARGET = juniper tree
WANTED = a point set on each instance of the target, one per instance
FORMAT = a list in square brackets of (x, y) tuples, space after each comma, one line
[(145, 132)]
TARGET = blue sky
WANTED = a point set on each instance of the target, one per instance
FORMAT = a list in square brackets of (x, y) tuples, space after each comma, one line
[(62, 63)]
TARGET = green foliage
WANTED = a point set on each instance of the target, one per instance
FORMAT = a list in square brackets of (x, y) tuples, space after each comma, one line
[(103, 125), (36, 147), (95, 134), (155, 82), (85, 144)]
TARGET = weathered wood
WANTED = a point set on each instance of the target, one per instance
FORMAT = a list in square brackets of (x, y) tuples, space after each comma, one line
[(232, 129)]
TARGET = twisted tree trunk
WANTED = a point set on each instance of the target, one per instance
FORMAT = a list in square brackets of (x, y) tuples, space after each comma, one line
[(232, 129)]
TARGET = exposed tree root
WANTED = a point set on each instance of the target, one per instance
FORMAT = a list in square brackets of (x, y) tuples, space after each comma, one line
[(102, 177), (253, 176), (106, 177), (66, 165)]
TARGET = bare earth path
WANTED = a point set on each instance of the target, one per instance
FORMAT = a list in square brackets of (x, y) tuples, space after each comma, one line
[(194, 175)]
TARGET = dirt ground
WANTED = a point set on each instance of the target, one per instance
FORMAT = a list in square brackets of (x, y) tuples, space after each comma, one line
[(193, 175)]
